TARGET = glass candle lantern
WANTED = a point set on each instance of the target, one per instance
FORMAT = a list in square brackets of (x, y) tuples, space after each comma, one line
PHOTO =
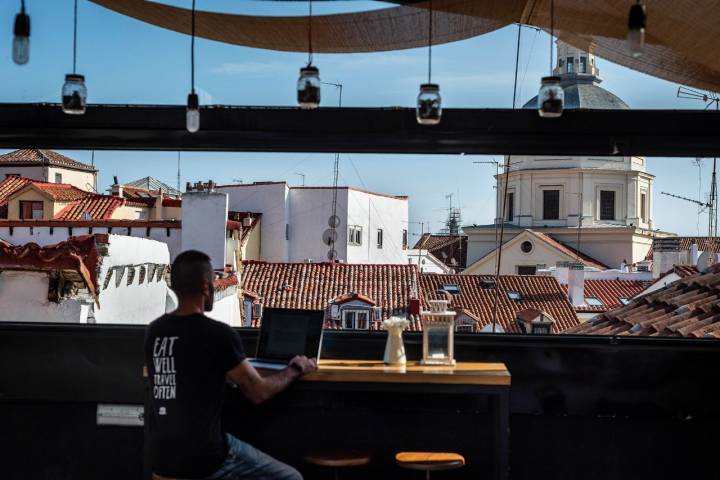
[(551, 98), (308, 87), (21, 39), (438, 334), (74, 94), (429, 104)]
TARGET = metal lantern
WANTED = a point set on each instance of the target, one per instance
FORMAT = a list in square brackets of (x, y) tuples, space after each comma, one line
[(637, 20), (438, 334), (308, 87), (21, 39), (429, 104), (74, 94), (192, 115), (551, 98)]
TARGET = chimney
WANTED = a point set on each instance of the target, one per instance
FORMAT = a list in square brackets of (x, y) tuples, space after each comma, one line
[(247, 221), (204, 224), (116, 189), (157, 213), (561, 272), (666, 254), (693, 253), (576, 284)]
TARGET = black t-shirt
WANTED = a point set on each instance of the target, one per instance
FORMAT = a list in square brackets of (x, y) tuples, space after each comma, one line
[(187, 358)]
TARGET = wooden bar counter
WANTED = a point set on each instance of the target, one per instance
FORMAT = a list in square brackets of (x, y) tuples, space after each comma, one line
[(484, 379)]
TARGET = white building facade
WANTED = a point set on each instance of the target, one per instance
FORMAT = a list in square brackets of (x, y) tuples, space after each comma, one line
[(371, 227)]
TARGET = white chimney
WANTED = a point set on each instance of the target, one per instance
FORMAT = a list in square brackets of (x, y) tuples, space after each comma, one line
[(576, 284), (666, 254), (117, 190), (561, 272), (693, 254), (204, 224)]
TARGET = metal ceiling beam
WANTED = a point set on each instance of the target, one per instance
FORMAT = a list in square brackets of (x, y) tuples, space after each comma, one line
[(679, 133)]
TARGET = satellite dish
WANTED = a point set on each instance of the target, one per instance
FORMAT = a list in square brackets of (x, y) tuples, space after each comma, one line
[(333, 221), (332, 255), (329, 237)]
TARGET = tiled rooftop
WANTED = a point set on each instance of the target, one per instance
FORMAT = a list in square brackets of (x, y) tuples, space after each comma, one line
[(311, 286), (61, 192), (704, 244), (33, 156), (478, 296), (689, 307), (9, 186), (98, 207), (449, 249), (610, 293)]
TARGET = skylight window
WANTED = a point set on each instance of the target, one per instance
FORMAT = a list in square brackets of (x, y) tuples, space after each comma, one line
[(593, 301), (624, 301), (453, 288), (514, 296)]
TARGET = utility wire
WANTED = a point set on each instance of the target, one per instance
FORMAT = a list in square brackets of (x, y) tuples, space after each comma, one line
[(430, 26), (498, 254), (192, 49), (75, 22), (310, 47)]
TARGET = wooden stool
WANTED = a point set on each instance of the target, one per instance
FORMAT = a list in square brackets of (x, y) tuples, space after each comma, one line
[(429, 461), (337, 458)]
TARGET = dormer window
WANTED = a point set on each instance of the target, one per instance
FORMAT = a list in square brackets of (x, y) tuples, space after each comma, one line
[(356, 320), (31, 210)]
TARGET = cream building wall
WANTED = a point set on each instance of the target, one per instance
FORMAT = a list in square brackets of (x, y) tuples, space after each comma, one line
[(81, 179)]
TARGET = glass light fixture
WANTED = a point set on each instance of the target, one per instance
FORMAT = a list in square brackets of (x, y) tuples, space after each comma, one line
[(428, 109), (438, 334), (74, 91), (551, 98), (429, 104), (308, 84), (21, 40), (192, 115), (308, 87), (74, 94), (637, 20)]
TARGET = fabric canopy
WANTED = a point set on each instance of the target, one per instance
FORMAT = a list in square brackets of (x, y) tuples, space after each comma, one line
[(682, 42)]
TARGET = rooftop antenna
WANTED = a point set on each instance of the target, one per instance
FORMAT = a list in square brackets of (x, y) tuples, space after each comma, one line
[(708, 98), (330, 235), (178, 172)]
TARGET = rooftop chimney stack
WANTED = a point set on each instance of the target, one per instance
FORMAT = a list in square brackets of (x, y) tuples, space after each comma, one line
[(693, 254), (576, 284), (204, 224), (666, 254), (561, 272), (116, 189)]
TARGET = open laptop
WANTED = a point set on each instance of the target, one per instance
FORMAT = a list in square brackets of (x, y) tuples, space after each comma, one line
[(287, 333)]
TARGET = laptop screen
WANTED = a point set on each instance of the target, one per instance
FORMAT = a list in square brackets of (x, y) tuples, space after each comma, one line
[(286, 333)]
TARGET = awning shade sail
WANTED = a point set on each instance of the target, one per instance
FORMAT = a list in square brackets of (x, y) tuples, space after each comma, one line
[(683, 36)]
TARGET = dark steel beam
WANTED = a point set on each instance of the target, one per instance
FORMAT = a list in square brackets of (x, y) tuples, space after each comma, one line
[(679, 133)]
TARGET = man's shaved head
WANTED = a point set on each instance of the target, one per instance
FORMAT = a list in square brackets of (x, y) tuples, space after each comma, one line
[(188, 273)]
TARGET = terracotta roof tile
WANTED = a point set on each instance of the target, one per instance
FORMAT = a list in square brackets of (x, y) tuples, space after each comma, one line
[(449, 249), (33, 156), (98, 207), (705, 244), (8, 187), (609, 292), (477, 296), (311, 286), (689, 307), (61, 192)]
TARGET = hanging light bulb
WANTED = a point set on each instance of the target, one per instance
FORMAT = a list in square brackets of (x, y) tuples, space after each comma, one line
[(637, 20), (74, 91), (428, 109), (192, 115), (308, 84), (551, 97), (21, 40)]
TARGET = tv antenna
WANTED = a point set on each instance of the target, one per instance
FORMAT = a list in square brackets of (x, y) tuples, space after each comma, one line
[(708, 98), (330, 235)]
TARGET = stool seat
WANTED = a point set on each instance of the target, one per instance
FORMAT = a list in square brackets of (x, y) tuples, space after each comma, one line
[(429, 460), (155, 476), (338, 457)]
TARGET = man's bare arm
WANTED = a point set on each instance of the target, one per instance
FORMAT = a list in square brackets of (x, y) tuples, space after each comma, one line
[(257, 388)]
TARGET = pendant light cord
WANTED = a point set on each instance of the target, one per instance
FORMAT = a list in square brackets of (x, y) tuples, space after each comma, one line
[(310, 47), (192, 49), (75, 21), (430, 30), (552, 32), (498, 253), (22, 6)]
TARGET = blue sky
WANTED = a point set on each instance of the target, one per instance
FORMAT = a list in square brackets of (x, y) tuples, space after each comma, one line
[(127, 61)]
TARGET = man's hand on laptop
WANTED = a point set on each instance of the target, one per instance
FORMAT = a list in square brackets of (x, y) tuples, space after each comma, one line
[(303, 364)]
